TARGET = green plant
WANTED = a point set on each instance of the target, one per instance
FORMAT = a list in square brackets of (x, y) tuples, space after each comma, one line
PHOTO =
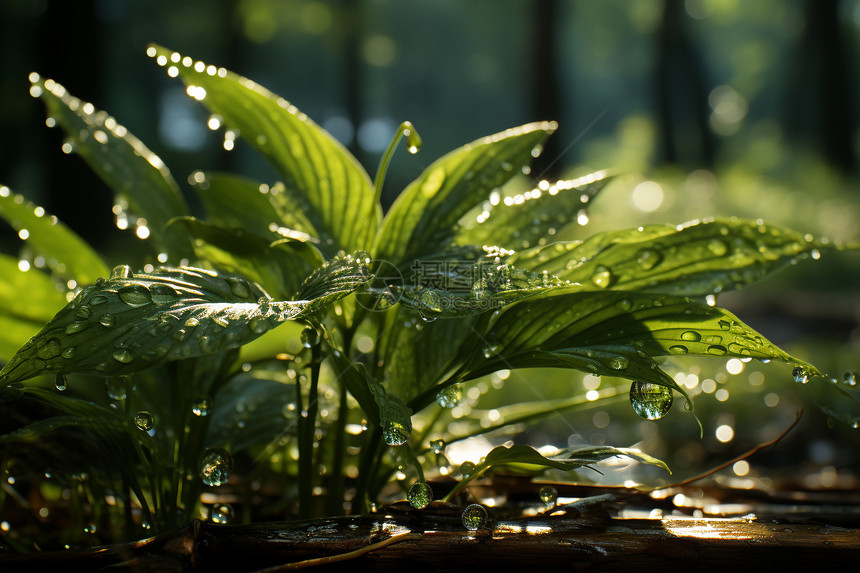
[(345, 375)]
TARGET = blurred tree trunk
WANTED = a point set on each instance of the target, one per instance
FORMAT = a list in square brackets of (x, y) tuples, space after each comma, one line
[(819, 101), (682, 112), (545, 85)]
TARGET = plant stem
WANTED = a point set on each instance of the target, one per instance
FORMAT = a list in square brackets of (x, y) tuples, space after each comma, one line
[(307, 421), (406, 130), (368, 463)]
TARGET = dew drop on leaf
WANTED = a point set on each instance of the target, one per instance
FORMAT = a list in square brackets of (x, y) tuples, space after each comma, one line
[(123, 356), (394, 433), (216, 465), (678, 349), (618, 363), (200, 408), (650, 401), (419, 495), (718, 247), (107, 320), (450, 397), (222, 513), (850, 378), (648, 259), (602, 277), (75, 327), (60, 382), (50, 349), (135, 295), (239, 287), (144, 421), (549, 496), (800, 375), (121, 272), (717, 350), (259, 325), (474, 517), (467, 469), (310, 337), (116, 387), (691, 336), (438, 446)]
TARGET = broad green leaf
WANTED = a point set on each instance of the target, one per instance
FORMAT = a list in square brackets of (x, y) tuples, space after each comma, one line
[(353, 376), (137, 176), (130, 322), (334, 280), (64, 252), (424, 218), (526, 219), (696, 259), (279, 270), (525, 459), (321, 179)]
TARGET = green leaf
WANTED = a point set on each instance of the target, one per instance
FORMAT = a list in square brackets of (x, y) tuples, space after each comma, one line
[(395, 417), (424, 217), (696, 259), (353, 376), (334, 280), (525, 219), (64, 251), (321, 179), (278, 269), (130, 322), (136, 174), (525, 459)]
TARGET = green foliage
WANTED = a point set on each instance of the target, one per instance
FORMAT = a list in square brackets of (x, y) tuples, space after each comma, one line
[(457, 281)]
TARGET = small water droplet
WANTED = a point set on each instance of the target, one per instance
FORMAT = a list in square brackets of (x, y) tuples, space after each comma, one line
[(394, 433), (450, 397), (121, 272), (310, 337), (68, 352), (801, 376), (222, 513), (123, 356), (97, 300), (438, 446), (717, 350), (163, 293), (75, 327), (602, 277), (50, 349), (648, 259), (200, 408), (419, 495), (144, 421), (116, 387), (135, 295), (216, 465), (467, 469), (107, 320), (618, 363), (691, 336), (474, 517), (718, 247), (549, 496), (60, 382), (650, 401), (259, 325), (850, 378), (678, 349), (239, 287)]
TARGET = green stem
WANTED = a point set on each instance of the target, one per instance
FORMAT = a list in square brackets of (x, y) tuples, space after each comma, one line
[(307, 421), (368, 464), (336, 488), (406, 130)]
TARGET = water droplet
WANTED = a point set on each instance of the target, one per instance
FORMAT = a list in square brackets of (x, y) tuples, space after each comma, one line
[(650, 401), (419, 495), (618, 363), (216, 465), (50, 349), (474, 517), (717, 350), (602, 277), (60, 382), (394, 433), (135, 295), (239, 288), (84, 312), (116, 387), (678, 349), (850, 378), (121, 272), (717, 247), (549, 496), (624, 305), (75, 327), (68, 352), (163, 293), (123, 356), (450, 397), (222, 513), (648, 259), (800, 375), (144, 421), (467, 469), (259, 325), (107, 320), (310, 337), (691, 336), (200, 408), (438, 446), (97, 300)]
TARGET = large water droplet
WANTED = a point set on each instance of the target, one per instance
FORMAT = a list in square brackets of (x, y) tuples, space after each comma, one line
[(60, 382), (123, 355), (116, 387), (549, 496), (222, 513), (394, 433), (691, 336), (450, 397), (419, 495), (97, 300), (438, 446), (717, 350), (717, 247), (135, 295), (259, 325), (800, 375), (467, 469), (678, 349), (200, 408), (216, 465), (239, 287), (107, 320), (50, 349), (163, 293), (602, 277), (650, 401), (310, 337), (648, 259), (121, 272), (618, 363), (850, 378), (75, 327), (474, 517), (144, 421)]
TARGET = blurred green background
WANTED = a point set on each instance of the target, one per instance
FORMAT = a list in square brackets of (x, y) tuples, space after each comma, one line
[(708, 107)]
